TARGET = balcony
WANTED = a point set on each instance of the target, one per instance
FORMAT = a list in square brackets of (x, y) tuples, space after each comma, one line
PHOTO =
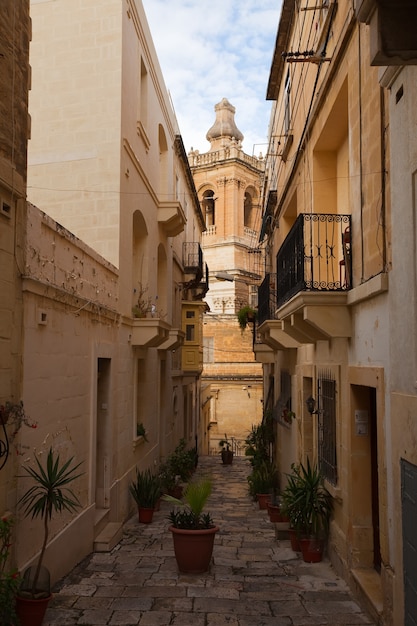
[(195, 270), (149, 332), (171, 217), (315, 256), (270, 329), (308, 300)]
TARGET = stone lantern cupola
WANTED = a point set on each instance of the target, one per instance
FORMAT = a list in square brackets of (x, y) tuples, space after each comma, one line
[(224, 130)]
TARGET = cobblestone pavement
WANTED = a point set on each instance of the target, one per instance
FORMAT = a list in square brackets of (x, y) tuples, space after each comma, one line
[(254, 579)]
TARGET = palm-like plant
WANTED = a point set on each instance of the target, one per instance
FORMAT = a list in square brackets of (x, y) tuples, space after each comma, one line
[(50, 494), (146, 489), (191, 516), (306, 501)]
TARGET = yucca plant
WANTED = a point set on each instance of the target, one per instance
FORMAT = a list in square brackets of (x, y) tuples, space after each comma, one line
[(50, 494), (191, 516), (306, 500), (146, 489)]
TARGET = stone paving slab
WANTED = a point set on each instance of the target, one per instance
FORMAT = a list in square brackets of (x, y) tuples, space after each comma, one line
[(255, 579)]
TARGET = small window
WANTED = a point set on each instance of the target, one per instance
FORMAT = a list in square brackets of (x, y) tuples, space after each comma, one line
[(190, 332), (190, 314), (6, 208)]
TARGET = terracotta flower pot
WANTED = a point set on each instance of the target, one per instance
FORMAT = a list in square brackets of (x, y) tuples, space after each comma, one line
[(263, 500), (227, 457), (193, 549), (312, 549), (295, 542), (31, 612), (145, 515), (274, 512)]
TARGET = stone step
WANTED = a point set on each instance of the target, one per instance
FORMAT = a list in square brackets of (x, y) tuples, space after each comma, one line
[(108, 537)]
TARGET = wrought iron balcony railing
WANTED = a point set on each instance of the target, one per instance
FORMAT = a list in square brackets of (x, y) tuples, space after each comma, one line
[(267, 298), (192, 258), (315, 256)]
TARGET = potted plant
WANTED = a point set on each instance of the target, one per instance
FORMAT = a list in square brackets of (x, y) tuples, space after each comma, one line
[(263, 480), (226, 452), (9, 578), (193, 531), (309, 506), (146, 491), (246, 315), (259, 440), (49, 494), (178, 468)]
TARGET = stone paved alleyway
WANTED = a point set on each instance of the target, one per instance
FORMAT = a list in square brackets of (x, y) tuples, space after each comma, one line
[(254, 579)]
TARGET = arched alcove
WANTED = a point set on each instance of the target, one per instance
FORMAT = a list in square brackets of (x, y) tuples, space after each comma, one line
[(163, 163), (162, 284), (208, 204), (140, 269)]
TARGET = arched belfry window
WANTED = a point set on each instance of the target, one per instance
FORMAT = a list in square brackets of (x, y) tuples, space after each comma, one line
[(248, 210), (209, 207)]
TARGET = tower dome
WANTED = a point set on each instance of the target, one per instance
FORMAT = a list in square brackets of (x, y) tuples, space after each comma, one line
[(224, 129)]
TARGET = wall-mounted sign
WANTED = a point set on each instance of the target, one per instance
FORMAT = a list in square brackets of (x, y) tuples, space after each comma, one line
[(361, 422)]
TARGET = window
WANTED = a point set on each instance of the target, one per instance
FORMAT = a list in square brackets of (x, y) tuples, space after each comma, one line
[(327, 455), (208, 349), (190, 332), (209, 208), (287, 105)]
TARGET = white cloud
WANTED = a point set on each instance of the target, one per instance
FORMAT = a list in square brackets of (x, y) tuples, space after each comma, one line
[(209, 50)]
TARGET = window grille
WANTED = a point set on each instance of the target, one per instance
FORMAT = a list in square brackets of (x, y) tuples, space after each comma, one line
[(327, 455)]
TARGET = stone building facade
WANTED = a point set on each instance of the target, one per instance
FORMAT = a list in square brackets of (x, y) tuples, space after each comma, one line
[(14, 129), (324, 303), (228, 183), (110, 284), (337, 304)]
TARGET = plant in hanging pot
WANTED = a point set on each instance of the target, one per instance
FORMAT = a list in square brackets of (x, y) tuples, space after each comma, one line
[(146, 491), (193, 531), (246, 315), (309, 506), (226, 453), (49, 494)]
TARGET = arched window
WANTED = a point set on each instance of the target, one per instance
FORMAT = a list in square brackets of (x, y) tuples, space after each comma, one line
[(209, 207), (248, 206)]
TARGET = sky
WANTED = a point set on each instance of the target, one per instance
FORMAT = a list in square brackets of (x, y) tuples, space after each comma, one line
[(214, 49)]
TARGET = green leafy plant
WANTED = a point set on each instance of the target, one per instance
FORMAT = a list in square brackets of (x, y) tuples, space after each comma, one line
[(146, 489), (259, 440), (245, 315), (179, 466), (141, 431), (263, 479), (9, 578), (191, 516), (50, 494), (307, 502), (225, 443)]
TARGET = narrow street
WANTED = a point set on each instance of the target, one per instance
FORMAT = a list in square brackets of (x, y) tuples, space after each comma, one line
[(254, 580)]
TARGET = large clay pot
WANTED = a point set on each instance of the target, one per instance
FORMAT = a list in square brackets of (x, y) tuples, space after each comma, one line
[(145, 515), (274, 512), (31, 612), (263, 500), (295, 542), (227, 457), (312, 549), (193, 549)]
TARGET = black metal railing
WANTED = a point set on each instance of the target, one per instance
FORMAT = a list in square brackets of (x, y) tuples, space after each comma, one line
[(315, 256), (267, 298), (192, 258)]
